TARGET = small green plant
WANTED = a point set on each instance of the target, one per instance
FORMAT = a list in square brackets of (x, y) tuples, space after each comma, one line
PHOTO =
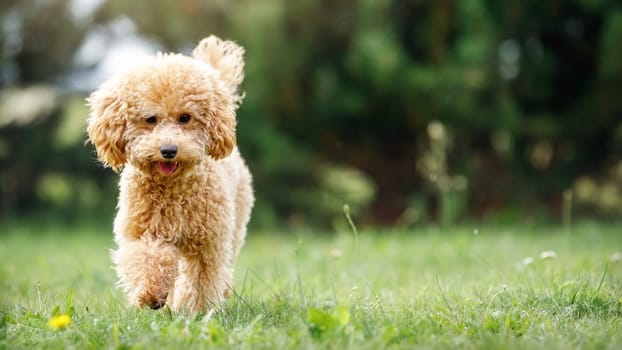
[(346, 211), (322, 322)]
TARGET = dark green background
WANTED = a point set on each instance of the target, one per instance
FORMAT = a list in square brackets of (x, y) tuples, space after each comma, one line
[(408, 111)]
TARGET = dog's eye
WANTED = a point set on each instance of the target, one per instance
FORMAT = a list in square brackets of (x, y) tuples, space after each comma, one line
[(151, 120), (184, 118)]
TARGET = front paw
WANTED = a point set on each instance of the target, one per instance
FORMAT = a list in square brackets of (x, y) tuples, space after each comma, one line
[(152, 300)]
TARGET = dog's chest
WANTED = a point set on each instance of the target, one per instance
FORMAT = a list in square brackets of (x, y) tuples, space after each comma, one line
[(182, 216), (176, 215)]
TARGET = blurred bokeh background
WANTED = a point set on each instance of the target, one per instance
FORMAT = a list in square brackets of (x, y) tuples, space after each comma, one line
[(409, 111)]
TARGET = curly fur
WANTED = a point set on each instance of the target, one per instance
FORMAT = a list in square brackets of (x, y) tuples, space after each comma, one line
[(180, 221)]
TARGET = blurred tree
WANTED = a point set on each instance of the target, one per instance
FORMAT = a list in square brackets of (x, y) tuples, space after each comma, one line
[(38, 43), (564, 129), (407, 109)]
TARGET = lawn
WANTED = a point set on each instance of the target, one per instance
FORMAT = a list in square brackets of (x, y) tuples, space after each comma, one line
[(466, 287)]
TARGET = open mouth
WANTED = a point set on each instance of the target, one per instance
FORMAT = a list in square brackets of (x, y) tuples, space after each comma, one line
[(167, 168)]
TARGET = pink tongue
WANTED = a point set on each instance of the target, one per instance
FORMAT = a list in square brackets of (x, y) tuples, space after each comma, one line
[(167, 168)]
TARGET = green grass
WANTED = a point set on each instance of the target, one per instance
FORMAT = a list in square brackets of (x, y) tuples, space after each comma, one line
[(429, 288)]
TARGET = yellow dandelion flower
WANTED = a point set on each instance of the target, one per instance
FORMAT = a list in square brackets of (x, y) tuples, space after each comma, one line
[(59, 322)]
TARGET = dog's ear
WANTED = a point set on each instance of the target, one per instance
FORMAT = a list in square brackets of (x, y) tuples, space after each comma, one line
[(227, 58), (106, 127), (221, 131)]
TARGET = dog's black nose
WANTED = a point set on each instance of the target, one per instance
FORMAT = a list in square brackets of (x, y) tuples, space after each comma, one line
[(168, 151)]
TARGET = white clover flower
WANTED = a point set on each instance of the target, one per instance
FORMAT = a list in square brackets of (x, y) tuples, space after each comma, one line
[(335, 253), (527, 261), (548, 254), (522, 265), (615, 257)]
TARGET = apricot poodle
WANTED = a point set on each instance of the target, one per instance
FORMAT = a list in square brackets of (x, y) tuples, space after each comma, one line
[(185, 194)]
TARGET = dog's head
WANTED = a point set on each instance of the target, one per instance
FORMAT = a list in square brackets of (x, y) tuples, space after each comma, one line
[(168, 114)]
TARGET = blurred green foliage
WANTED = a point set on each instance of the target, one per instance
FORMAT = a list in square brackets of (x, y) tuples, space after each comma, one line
[(407, 110)]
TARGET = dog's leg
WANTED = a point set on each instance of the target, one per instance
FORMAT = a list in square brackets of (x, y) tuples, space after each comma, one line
[(146, 270), (243, 204), (244, 199), (202, 283)]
